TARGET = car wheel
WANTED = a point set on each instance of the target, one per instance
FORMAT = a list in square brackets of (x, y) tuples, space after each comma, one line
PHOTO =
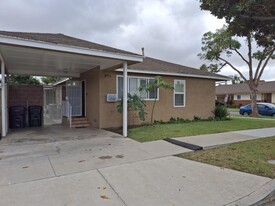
[(245, 114), (273, 115)]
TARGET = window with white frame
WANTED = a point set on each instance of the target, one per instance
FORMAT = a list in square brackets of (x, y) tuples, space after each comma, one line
[(134, 83), (179, 93), (239, 97)]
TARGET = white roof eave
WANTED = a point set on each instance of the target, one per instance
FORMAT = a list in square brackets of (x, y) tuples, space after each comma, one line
[(174, 74), (66, 48)]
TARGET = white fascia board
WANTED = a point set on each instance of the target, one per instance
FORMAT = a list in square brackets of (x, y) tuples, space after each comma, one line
[(70, 49), (173, 74), (45, 73)]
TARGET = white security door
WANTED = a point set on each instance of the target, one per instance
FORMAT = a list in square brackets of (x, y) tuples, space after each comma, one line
[(74, 96), (52, 105)]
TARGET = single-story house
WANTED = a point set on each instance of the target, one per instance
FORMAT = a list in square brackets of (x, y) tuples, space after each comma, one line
[(239, 94), (98, 75)]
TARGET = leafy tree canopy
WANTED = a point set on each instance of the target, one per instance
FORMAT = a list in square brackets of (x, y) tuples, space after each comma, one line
[(246, 16), (51, 80), (16, 79), (236, 79)]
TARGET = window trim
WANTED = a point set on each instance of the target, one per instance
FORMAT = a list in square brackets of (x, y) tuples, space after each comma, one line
[(238, 95), (184, 93), (128, 79)]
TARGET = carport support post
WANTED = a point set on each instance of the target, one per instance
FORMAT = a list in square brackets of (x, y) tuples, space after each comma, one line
[(125, 97), (3, 98)]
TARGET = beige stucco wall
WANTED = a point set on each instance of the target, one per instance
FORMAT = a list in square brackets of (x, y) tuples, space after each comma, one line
[(92, 95), (273, 98), (200, 101)]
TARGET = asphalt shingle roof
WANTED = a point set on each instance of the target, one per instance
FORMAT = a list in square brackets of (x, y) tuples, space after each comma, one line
[(62, 39), (156, 65)]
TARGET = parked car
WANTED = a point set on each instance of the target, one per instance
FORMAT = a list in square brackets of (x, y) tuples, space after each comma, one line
[(265, 109)]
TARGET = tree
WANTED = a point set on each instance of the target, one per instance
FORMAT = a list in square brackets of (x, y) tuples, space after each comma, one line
[(51, 80), (134, 104), (236, 79), (243, 21), (154, 85), (213, 68), (263, 10), (16, 79)]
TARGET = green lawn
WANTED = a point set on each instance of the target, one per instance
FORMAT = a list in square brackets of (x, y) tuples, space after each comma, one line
[(260, 117), (266, 117), (156, 132), (250, 156)]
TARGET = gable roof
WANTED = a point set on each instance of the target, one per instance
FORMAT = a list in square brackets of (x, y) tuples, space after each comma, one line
[(156, 66), (61, 39), (149, 65), (264, 87)]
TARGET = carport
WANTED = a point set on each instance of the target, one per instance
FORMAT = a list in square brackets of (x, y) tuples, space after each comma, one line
[(57, 55)]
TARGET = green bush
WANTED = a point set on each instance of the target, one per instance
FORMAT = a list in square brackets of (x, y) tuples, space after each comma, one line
[(135, 103), (196, 118), (220, 113), (173, 120)]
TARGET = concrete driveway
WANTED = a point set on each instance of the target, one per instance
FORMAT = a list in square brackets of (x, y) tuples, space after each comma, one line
[(102, 168)]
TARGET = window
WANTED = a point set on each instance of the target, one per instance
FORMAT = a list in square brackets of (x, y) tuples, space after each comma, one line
[(134, 84), (239, 97), (260, 106), (179, 93)]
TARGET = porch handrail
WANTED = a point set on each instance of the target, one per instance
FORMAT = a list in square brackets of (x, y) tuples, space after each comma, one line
[(67, 111)]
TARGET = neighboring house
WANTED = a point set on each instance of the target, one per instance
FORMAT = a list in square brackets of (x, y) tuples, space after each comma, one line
[(96, 71), (239, 94)]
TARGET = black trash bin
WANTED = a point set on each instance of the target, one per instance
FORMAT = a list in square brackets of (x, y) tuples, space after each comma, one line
[(35, 116), (17, 117)]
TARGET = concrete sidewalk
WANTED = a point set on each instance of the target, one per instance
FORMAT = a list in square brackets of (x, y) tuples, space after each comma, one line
[(216, 140), (111, 170)]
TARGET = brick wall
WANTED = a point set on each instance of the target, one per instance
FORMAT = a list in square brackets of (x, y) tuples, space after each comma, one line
[(25, 95), (241, 102)]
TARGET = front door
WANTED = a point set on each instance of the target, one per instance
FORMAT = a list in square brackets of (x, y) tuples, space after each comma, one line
[(74, 96)]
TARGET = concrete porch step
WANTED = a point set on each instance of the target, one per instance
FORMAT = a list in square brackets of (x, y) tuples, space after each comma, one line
[(80, 122), (80, 125)]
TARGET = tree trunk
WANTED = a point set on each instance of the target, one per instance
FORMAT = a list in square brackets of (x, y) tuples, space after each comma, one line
[(153, 109), (253, 92)]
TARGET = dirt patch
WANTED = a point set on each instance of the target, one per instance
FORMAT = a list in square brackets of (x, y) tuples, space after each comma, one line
[(105, 157), (119, 156), (104, 197)]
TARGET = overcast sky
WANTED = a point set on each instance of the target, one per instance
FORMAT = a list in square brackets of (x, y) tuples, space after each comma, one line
[(169, 30)]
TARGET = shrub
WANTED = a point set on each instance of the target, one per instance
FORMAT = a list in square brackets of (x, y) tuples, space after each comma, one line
[(196, 118), (220, 113), (159, 122), (135, 103)]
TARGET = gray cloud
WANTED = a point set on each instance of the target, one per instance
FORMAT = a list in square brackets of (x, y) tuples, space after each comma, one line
[(168, 29)]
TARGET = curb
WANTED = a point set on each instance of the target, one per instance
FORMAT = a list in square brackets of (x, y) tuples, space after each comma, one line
[(265, 195)]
